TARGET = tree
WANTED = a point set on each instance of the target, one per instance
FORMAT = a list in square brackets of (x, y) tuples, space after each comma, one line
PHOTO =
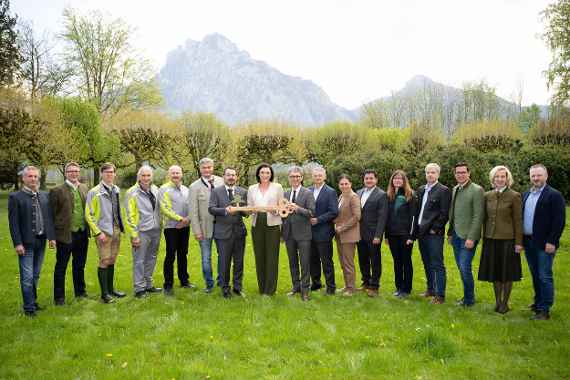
[(144, 136), (109, 72), (9, 53), (204, 136), (40, 72), (529, 117), (557, 37)]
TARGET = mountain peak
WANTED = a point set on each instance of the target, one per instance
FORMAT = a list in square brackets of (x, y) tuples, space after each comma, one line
[(418, 80), (217, 41)]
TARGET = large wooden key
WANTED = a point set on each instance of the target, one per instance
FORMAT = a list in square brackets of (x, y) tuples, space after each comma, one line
[(283, 208)]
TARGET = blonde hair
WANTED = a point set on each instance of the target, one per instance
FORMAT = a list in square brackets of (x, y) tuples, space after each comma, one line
[(497, 169)]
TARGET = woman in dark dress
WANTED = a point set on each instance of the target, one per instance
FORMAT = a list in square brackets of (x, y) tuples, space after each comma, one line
[(400, 230), (502, 244)]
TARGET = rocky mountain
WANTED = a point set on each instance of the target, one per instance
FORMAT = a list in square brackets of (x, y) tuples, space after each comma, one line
[(214, 75)]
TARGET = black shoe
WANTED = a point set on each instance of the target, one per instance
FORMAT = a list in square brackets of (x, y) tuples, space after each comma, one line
[(209, 290), (59, 302), (316, 287), (226, 293), (532, 307), (152, 289), (107, 299), (238, 293), (331, 291), (81, 295), (188, 286), (39, 308), (118, 294), (541, 316), (140, 294), (168, 292), (30, 314)]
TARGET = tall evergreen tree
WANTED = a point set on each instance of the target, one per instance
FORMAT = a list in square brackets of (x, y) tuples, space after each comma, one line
[(9, 53)]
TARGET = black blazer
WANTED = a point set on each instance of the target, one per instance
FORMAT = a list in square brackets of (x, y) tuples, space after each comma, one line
[(436, 212), (374, 215), (326, 209), (20, 217), (227, 226), (549, 218), (404, 222)]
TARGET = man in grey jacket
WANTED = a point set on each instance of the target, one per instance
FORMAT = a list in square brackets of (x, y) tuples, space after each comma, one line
[(143, 225), (297, 232), (103, 215), (201, 220)]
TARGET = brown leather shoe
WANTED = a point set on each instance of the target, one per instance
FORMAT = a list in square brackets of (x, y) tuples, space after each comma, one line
[(436, 300), (427, 294), (372, 293)]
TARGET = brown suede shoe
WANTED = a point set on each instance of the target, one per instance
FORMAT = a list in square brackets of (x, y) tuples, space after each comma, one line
[(436, 300), (372, 293)]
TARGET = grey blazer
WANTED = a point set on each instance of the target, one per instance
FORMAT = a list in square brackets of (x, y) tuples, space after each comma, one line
[(227, 226), (297, 226)]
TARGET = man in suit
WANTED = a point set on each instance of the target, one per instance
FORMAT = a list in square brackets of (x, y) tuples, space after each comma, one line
[(67, 203), (326, 209), (374, 205), (465, 221), (201, 220), (229, 230), (435, 199), (544, 217), (297, 232), (31, 223)]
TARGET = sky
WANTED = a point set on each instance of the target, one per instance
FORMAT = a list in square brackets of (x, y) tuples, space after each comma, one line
[(356, 50)]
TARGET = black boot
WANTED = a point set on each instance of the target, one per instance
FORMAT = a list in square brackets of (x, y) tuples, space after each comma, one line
[(102, 275), (110, 277)]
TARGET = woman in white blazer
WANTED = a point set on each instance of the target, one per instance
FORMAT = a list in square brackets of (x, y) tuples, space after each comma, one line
[(265, 230)]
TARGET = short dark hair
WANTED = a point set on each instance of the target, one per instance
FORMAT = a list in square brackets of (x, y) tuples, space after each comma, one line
[(261, 166), (106, 166), (370, 171), (460, 165), (230, 168)]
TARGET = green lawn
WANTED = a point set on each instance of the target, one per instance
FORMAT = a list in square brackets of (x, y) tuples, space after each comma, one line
[(200, 336)]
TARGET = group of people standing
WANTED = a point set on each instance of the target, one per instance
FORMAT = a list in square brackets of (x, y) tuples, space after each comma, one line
[(213, 208)]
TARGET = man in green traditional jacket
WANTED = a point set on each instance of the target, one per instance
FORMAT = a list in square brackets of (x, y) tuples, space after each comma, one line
[(465, 222)]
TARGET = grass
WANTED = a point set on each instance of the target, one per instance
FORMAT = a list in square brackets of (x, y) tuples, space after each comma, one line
[(199, 336)]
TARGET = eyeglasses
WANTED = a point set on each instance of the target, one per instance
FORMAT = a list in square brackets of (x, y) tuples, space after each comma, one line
[(295, 176), (73, 171)]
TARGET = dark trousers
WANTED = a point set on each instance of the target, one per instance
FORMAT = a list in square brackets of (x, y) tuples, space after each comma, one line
[(370, 263), (78, 249), (403, 269), (176, 249), (228, 250), (540, 267), (299, 252), (322, 253), (266, 240), (431, 249)]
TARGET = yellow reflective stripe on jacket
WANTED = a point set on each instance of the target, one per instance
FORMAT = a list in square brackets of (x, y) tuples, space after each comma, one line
[(92, 214), (132, 216), (166, 207)]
